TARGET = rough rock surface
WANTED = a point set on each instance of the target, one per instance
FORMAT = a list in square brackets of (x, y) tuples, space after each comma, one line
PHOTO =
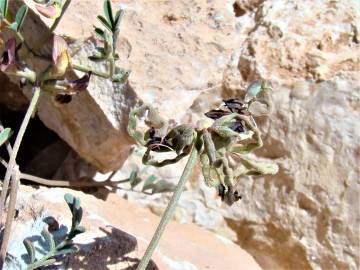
[(117, 233), (307, 216), (173, 49)]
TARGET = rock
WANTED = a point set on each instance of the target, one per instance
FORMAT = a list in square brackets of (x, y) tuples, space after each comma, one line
[(301, 217), (191, 54), (306, 216), (117, 234), (174, 51), (10, 95)]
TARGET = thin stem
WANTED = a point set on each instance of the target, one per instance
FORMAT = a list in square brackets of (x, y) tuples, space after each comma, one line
[(88, 69), (112, 58), (58, 19), (73, 184), (12, 160), (53, 26), (67, 183), (169, 209), (112, 67), (10, 214)]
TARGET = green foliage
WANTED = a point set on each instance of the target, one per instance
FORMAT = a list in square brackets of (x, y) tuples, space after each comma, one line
[(226, 137), (151, 183), (109, 37), (19, 19), (109, 21), (66, 246), (5, 135), (4, 4)]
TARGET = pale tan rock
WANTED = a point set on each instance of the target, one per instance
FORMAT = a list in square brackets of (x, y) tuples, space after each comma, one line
[(307, 216), (174, 50), (117, 234)]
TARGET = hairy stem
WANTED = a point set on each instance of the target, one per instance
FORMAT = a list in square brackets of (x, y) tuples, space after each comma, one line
[(10, 215), (88, 69), (20, 135), (169, 210)]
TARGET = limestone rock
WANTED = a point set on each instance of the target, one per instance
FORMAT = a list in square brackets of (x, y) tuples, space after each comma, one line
[(174, 50), (191, 54), (307, 216), (117, 234)]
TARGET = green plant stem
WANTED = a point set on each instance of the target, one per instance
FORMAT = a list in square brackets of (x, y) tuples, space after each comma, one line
[(10, 215), (58, 19), (88, 69), (169, 209), (19, 137), (48, 35)]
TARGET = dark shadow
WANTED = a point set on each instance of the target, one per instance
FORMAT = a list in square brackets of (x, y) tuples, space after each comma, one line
[(107, 251), (102, 253)]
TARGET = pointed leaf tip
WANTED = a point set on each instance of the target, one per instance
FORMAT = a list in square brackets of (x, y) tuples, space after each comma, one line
[(20, 17), (30, 250), (5, 135)]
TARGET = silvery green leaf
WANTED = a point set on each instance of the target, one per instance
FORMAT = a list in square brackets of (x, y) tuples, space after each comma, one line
[(108, 13), (163, 186), (69, 199), (4, 4), (77, 203), (105, 22), (100, 32), (118, 18), (78, 216), (5, 135), (48, 238), (133, 179), (30, 250), (149, 183), (253, 89), (20, 17)]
